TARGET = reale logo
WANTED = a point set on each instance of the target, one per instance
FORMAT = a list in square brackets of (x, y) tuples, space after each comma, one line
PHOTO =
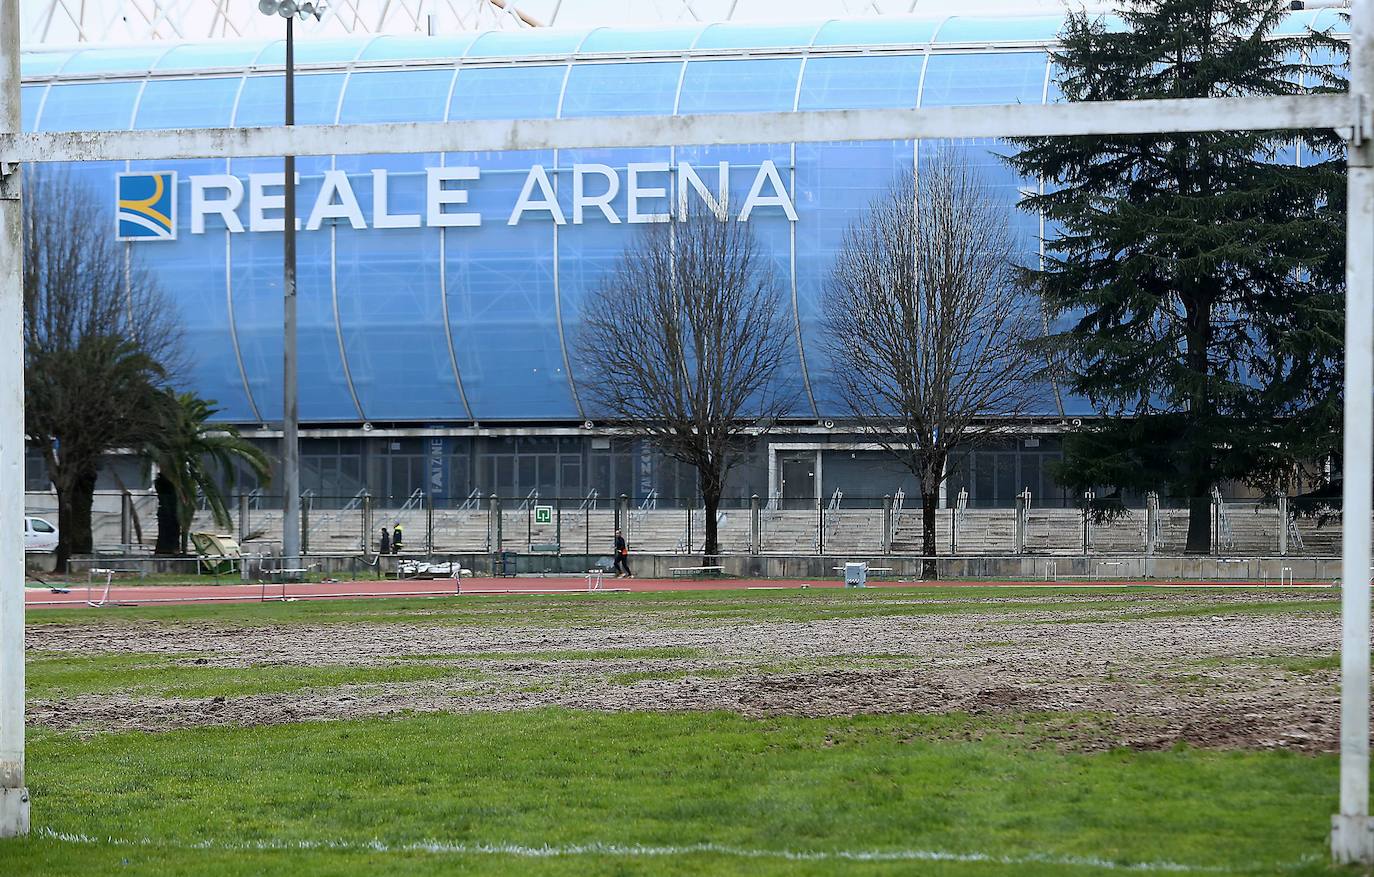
[(147, 206)]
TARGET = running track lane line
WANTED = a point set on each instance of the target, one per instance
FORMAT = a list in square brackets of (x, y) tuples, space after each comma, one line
[(126, 595)]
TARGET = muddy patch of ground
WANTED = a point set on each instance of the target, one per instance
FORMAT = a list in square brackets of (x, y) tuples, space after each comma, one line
[(1236, 678)]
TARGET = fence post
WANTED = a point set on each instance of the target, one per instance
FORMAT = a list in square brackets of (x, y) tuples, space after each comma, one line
[(755, 539), (1020, 531), (1283, 526), (126, 522), (494, 524), (587, 530), (820, 525), (886, 524), (1151, 521), (243, 518), (367, 522), (1088, 497), (429, 525), (558, 526), (622, 509), (1216, 527), (305, 528)]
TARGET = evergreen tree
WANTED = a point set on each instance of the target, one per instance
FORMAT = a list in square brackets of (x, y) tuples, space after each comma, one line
[(1196, 278)]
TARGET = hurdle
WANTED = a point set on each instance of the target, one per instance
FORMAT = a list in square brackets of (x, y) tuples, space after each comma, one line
[(109, 573), (263, 598), (1052, 573)]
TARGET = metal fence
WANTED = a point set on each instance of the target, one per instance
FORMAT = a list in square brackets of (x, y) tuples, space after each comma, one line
[(837, 524)]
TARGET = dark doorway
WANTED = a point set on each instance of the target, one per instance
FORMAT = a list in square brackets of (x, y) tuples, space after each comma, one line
[(798, 478)]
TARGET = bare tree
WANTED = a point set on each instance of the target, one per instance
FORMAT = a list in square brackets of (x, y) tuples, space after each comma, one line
[(683, 343), (99, 341), (925, 325)]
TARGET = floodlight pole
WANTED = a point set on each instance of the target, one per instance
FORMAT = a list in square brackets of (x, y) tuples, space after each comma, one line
[(14, 797), (291, 450), (1352, 833)]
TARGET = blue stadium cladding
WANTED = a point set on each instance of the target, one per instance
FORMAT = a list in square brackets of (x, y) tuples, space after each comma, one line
[(452, 325)]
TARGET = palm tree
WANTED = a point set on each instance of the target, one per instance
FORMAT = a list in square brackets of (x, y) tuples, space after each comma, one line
[(189, 454)]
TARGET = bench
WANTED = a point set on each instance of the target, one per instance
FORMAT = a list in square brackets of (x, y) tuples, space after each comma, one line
[(110, 572), (680, 571), (121, 550), (546, 548)]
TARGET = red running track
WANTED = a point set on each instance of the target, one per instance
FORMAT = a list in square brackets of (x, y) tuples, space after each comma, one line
[(127, 594)]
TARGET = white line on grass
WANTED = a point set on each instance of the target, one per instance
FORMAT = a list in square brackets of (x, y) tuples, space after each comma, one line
[(648, 851)]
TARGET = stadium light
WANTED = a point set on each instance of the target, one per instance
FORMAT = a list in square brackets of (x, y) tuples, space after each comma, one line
[(291, 9), (291, 451)]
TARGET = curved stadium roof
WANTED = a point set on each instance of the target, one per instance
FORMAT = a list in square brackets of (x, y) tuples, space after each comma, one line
[(449, 325), (105, 21)]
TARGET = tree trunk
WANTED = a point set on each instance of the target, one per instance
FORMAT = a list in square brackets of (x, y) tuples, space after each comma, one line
[(929, 500), (932, 475), (168, 521), (75, 495), (711, 499), (711, 480), (1199, 458), (1199, 524), (186, 517)]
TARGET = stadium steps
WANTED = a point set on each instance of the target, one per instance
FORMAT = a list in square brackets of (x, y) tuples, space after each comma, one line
[(984, 531), (1254, 530), (1321, 536), (1051, 531), (787, 531), (854, 531), (1054, 531), (1123, 535)]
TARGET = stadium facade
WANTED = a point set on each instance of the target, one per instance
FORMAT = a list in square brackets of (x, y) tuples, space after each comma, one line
[(438, 293)]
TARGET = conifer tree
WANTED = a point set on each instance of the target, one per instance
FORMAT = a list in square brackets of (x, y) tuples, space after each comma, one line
[(1195, 280)]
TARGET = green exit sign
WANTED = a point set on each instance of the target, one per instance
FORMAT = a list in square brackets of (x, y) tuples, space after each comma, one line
[(543, 514)]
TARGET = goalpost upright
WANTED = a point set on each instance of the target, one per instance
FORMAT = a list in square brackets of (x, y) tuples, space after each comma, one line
[(14, 797), (1352, 835)]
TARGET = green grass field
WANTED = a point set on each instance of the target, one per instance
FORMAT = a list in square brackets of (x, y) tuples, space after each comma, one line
[(548, 735)]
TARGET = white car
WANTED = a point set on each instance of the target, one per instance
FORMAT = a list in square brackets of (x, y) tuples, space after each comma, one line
[(39, 535)]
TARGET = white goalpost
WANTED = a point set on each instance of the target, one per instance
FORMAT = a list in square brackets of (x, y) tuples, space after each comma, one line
[(1352, 836)]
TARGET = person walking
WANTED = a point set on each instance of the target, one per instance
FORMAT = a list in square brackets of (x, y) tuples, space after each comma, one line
[(622, 557), (396, 540), (386, 542)]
